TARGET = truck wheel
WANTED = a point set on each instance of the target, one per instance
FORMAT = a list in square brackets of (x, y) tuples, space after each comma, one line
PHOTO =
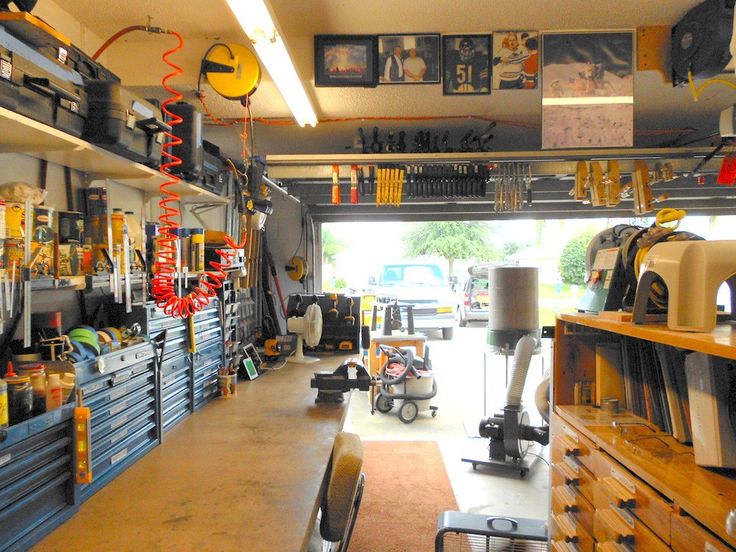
[(447, 333)]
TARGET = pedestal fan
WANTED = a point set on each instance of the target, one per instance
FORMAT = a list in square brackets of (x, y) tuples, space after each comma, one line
[(308, 329)]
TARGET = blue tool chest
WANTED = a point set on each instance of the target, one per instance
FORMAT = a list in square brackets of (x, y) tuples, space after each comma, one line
[(121, 390), (37, 491), (209, 356)]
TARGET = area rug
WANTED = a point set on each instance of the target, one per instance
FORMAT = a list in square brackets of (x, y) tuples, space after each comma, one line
[(406, 489)]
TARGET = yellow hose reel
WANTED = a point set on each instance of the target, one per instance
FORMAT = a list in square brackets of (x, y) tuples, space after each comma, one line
[(297, 268), (232, 70)]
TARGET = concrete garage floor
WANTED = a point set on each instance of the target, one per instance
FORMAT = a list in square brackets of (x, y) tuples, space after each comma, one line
[(458, 366)]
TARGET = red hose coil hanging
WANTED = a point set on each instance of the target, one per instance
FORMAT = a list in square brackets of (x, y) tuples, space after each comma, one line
[(163, 287)]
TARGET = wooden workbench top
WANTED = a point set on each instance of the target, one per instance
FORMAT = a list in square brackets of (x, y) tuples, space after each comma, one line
[(240, 474)]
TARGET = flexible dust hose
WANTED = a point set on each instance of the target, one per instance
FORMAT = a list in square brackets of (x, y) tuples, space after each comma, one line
[(522, 358), (163, 287), (407, 359), (541, 397)]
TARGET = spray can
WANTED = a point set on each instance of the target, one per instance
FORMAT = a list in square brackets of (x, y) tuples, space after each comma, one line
[(53, 393), (3, 404)]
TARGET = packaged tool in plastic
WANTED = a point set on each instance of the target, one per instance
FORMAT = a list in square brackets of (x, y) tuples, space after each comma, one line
[(40, 88), (124, 123)]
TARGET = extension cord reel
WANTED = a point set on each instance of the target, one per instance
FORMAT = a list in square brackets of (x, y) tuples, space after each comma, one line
[(232, 70)]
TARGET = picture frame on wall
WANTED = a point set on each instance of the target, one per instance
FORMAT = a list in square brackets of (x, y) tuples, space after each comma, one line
[(409, 59), (345, 60), (466, 67), (588, 89), (515, 60)]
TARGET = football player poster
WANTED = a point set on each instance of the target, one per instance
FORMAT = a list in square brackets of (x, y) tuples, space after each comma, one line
[(466, 67)]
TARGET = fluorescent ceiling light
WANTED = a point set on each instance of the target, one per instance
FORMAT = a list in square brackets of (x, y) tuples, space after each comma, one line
[(254, 17)]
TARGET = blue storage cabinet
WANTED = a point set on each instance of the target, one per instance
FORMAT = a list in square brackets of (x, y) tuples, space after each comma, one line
[(37, 490), (209, 356), (122, 391)]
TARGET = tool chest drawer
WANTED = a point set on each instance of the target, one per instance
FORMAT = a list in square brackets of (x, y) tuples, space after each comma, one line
[(210, 311), (123, 401), (175, 397), (174, 364), (566, 528), (206, 338), (37, 491), (207, 354), (688, 535), (205, 384), (204, 325)]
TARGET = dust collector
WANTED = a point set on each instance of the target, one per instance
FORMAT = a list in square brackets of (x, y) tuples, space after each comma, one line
[(513, 294)]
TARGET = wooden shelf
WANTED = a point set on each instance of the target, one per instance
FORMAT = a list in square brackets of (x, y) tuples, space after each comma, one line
[(720, 342), (19, 134), (669, 468)]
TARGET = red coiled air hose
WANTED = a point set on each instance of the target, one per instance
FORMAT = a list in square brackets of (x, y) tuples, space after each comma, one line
[(163, 288)]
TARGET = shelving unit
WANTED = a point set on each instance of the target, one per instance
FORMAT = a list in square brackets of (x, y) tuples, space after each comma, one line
[(19, 134), (630, 482)]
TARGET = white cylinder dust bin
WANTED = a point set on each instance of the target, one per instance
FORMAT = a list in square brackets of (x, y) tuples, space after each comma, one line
[(421, 386), (513, 294)]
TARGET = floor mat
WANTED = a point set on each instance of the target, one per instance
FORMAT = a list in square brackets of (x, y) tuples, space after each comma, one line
[(406, 489)]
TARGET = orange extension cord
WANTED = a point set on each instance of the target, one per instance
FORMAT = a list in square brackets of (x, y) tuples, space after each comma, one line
[(163, 286)]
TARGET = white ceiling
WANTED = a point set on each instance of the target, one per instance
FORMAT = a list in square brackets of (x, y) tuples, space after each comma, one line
[(202, 22)]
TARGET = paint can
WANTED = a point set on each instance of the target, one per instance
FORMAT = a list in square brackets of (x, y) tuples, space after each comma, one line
[(15, 220), (71, 227)]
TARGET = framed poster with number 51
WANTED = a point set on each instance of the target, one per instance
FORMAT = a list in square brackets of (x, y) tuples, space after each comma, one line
[(466, 67)]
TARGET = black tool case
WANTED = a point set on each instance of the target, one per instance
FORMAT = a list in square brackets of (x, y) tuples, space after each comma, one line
[(124, 123), (190, 151), (37, 489), (39, 87)]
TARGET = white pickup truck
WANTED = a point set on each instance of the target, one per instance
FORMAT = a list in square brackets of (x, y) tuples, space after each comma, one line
[(423, 286)]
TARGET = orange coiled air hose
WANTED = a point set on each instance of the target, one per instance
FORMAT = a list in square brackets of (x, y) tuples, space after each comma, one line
[(163, 287)]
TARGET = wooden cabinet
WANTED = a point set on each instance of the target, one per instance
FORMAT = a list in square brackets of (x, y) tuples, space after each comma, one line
[(618, 482)]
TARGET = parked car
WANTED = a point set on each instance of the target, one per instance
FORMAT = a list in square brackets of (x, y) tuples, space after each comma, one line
[(473, 302), (423, 286)]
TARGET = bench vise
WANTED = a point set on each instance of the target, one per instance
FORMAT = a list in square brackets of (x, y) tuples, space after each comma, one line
[(332, 385)]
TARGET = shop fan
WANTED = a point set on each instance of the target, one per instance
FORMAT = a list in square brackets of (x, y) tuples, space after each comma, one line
[(463, 532), (308, 330)]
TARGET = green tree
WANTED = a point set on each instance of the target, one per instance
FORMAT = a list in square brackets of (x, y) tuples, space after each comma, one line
[(572, 259), (450, 240), (331, 246)]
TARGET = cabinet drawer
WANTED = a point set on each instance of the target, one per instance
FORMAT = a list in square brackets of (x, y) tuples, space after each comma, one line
[(621, 527), (102, 446), (573, 444), (567, 500), (176, 364), (202, 326), (618, 486), (562, 546), (688, 536), (566, 529), (105, 416), (112, 424), (611, 547), (575, 474), (207, 354), (205, 339), (173, 384)]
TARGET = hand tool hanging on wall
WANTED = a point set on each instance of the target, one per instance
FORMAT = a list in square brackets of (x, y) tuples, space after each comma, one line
[(354, 184), (270, 317), (274, 274), (512, 182), (336, 184)]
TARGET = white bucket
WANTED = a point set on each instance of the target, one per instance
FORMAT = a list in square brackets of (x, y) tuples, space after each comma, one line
[(421, 386)]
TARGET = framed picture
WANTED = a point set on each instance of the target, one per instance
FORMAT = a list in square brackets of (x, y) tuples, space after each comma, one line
[(409, 59), (465, 63), (345, 60), (515, 60), (587, 90), (248, 367)]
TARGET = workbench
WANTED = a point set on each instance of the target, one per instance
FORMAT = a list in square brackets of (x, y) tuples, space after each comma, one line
[(241, 474)]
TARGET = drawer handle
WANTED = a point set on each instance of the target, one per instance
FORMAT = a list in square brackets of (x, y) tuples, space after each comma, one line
[(567, 526), (571, 448), (625, 536), (571, 478), (622, 497), (566, 498)]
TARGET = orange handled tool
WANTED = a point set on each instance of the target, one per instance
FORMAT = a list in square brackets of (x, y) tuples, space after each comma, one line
[(335, 184), (354, 184)]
